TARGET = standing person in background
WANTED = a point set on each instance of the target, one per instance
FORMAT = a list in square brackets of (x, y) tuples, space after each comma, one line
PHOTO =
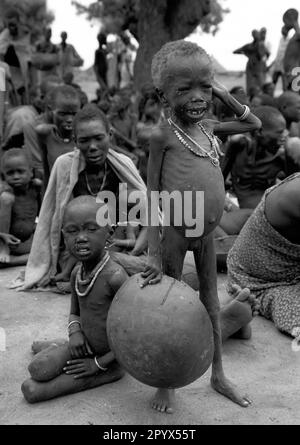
[(47, 47), (292, 53), (278, 69), (127, 58), (69, 57), (15, 50), (100, 62), (112, 65), (256, 65)]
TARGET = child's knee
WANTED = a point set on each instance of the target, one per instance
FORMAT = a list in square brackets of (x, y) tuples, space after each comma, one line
[(39, 368), (30, 391), (6, 199), (49, 363)]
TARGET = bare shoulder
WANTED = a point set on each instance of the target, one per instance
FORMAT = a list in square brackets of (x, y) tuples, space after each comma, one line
[(116, 275), (159, 136), (44, 129), (286, 197)]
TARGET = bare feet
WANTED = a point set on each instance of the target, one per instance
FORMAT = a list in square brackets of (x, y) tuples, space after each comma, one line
[(164, 400), (227, 389), (236, 315)]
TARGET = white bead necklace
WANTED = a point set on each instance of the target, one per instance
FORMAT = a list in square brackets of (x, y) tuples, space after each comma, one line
[(94, 274), (213, 155)]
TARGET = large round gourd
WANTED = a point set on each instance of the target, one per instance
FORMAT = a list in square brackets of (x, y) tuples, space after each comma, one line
[(161, 334)]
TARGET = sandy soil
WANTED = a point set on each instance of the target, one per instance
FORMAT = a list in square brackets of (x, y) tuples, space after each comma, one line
[(265, 367)]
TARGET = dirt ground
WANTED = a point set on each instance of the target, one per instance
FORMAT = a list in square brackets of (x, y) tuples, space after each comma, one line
[(266, 368)]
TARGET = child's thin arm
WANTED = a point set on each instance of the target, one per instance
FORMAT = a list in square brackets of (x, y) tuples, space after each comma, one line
[(249, 122), (152, 272), (75, 309)]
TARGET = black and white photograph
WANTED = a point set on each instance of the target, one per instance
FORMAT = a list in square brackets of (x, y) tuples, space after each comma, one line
[(149, 215)]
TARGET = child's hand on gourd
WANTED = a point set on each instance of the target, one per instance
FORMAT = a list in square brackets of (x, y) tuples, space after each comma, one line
[(80, 368), (152, 272), (78, 345)]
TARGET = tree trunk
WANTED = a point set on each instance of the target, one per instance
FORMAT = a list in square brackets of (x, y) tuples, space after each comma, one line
[(153, 34), (159, 22)]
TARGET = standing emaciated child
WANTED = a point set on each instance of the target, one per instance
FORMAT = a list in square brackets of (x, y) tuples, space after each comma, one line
[(184, 157)]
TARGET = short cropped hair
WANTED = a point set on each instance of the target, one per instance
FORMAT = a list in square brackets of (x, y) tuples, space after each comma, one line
[(90, 112), (178, 48), (83, 201), (48, 82), (12, 13), (65, 91), (13, 153), (286, 98), (267, 115)]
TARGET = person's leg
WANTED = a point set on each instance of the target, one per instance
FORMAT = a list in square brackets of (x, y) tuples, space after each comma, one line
[(132, 264), (49, 362), (64, 384), (235, 316), (39, 345), (282, 306), (233, 222), (205, 260), (174, 247), (250, 200), (6, 203)]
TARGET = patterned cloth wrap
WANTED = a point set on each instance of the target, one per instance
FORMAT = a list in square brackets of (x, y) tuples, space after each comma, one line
[(269, 265)]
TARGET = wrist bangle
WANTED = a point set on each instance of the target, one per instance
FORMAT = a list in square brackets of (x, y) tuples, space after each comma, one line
[(99, 366), (246, 113), (73, 322)]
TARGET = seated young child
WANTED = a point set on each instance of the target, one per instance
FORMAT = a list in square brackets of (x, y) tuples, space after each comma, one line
[(19, 207), (86, 361), (255, 162), (57, 139)]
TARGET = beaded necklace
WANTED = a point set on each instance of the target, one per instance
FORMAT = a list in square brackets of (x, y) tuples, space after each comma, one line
[(92, 277), (213, 155), (102, 183)]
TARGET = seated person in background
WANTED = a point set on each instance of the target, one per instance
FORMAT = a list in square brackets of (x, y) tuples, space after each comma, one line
[(150, 114), (86, 361), (31, 140), (123, 123), (57, 138), (19, 206), (289, 105), (268, 88), (255, 162), (266, 256)]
